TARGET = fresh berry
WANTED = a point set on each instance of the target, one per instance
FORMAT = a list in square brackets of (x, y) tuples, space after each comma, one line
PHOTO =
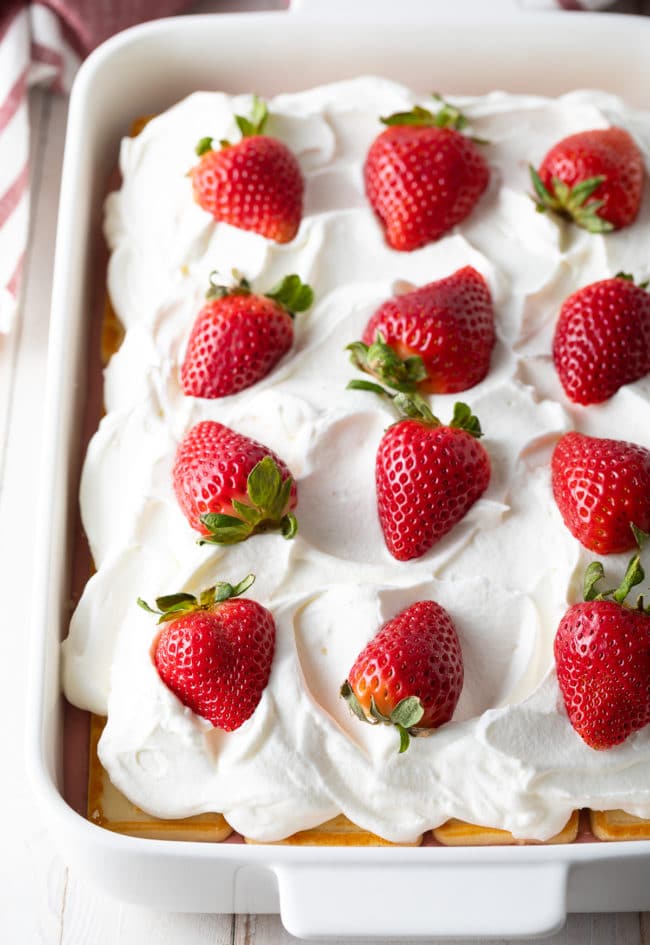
[(410, 674), (238, 336), (422, 176), (215, 652), (229, 487), (428, 475), (255, 184), (602, 655), (594, 178), (436, 339), (601, 487), (602, 339)]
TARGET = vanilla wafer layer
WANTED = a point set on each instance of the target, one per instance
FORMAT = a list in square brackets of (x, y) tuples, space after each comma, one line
[(458, 833), (108, 808), (618, 825), (339, 832)]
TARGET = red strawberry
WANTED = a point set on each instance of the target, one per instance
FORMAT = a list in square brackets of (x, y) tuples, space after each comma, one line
[(410, 674), (602, 654), (238, 336), (215, 653), (427, 475), (255, 184), (594, 178), (443, 331), (600, 487), (423, 176), (602, 339), (229, 487)]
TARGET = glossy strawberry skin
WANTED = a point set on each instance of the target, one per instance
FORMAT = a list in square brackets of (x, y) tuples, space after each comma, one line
[(218, 662), (600, 487), (427, 479), (448, 323), (255, 184), (602, 339), (422, 181), (211, 469), (234, 343), (417, 653), (610, 152), (602, 654)]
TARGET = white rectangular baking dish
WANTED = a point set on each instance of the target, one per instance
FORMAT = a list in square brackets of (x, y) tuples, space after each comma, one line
[(320, 892)]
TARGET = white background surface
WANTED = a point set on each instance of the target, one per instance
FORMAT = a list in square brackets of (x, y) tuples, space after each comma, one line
[(41, 900)]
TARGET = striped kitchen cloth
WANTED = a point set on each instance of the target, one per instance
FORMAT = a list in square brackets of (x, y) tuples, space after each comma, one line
[(43, 42)]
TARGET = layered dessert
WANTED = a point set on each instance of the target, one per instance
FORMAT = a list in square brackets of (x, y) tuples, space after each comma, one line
[(509, 759)]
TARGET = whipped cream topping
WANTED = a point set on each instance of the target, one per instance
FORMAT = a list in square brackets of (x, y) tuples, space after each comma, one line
[(506, 573)]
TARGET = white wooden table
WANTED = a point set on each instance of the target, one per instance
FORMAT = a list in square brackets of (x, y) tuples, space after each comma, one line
[(41, 900)]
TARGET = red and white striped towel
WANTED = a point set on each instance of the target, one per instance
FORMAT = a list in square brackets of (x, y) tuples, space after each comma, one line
[(43, 42)]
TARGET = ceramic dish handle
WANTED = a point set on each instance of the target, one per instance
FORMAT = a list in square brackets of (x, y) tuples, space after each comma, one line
[(405, 901)]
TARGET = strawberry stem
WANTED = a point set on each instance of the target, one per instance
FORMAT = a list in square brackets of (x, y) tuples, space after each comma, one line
[(630, 278), (405, 716), (383, 362), (447, 116), (217, 290), (572, 203), (256, 123), (268, 497), (289, 525), (634, 574), (224, 591), (404, 739), (204, 145), (593, 574), (248, 126), (406, 404), (369, 386), (347, 693), (292, 294), (171, 606), (412, 405), (464, 419)]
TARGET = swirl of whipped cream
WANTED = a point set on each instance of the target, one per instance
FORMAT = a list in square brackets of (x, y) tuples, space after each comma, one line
[(506, 573)]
